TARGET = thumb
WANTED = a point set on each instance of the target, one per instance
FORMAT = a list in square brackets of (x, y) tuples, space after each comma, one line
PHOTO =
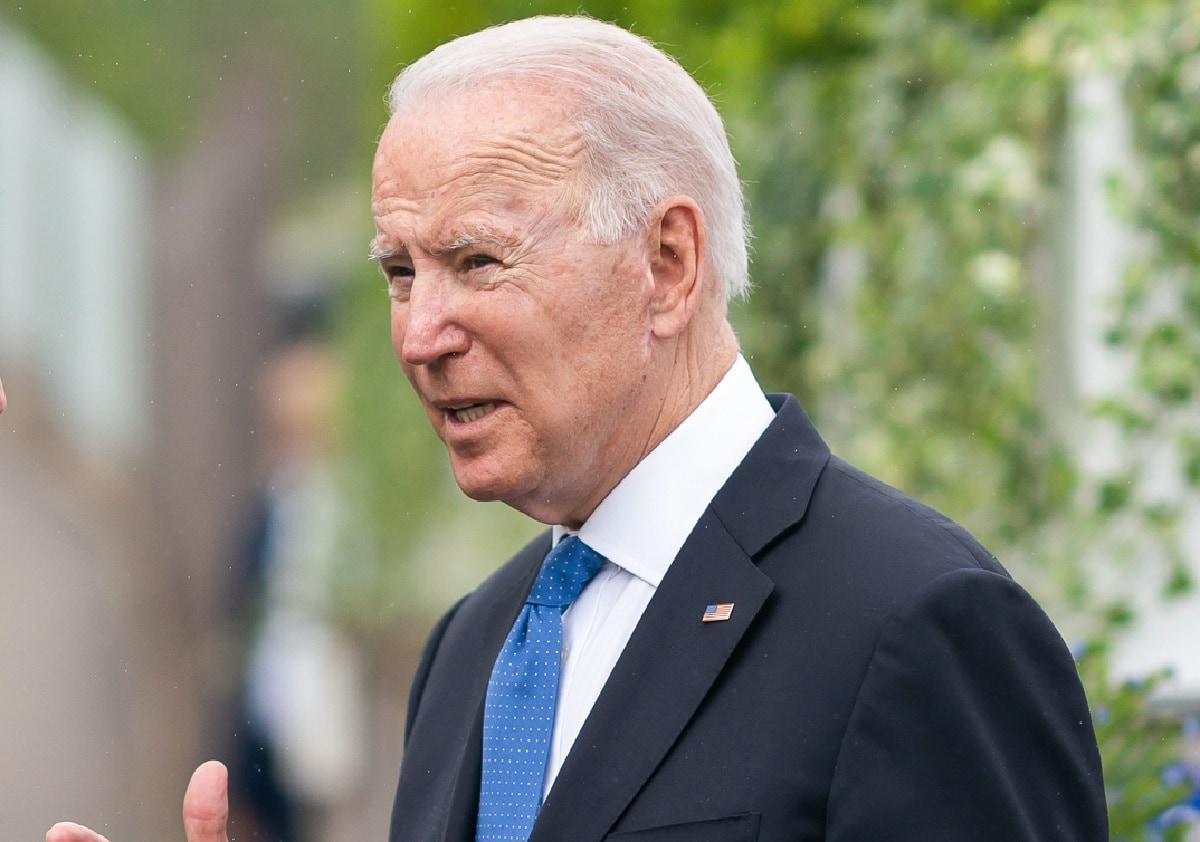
[(206, 804)]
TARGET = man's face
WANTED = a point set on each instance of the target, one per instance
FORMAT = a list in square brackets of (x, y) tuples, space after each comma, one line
[(527, 342)]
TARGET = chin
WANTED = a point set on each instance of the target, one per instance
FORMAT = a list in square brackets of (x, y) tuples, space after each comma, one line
[(490, 483)]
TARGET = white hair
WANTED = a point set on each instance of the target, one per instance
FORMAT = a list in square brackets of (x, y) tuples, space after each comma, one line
[(649, 131)]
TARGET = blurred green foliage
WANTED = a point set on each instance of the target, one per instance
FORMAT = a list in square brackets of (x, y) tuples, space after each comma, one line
[(163, 63), (1136, 748)]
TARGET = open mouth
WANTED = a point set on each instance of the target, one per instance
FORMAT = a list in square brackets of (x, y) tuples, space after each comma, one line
[(471, 412)]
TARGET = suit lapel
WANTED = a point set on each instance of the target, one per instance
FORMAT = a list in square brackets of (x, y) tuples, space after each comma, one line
[(463, 805), (673, 658), (500, 600), (769, 492)]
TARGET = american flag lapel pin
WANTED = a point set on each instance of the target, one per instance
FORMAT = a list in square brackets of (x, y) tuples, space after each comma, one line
[(718, 613)]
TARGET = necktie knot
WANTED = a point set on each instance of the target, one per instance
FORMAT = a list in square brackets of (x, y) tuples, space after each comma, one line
[(566, 570)]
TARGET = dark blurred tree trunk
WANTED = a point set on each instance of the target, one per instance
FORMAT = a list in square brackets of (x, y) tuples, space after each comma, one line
[(213, 206)]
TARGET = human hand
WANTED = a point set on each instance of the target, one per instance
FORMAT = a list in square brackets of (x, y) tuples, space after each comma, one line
[(205, 810), (3, 401)]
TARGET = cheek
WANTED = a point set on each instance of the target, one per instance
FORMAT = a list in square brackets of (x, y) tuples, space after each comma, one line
[(614, 336)]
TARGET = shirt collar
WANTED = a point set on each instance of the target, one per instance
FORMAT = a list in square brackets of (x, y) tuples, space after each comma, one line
[(643, 522)]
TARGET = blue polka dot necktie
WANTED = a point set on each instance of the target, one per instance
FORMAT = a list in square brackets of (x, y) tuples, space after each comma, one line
[(518, 718)]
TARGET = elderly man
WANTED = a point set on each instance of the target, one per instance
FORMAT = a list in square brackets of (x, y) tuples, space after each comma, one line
[(727, 633)]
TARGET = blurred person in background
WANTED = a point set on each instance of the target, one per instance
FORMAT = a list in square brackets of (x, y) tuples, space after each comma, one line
[(299, 738), (726, 633)]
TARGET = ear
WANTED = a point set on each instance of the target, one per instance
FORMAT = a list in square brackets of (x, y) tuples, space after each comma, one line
[(676, 249)]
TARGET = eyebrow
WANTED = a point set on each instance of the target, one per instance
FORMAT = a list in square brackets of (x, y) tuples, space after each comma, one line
[(478, 236), (378, 253)]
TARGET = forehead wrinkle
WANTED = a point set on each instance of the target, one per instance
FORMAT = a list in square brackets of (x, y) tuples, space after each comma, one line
[(554, 158), (500, 172), (385, 203), (521, 160)]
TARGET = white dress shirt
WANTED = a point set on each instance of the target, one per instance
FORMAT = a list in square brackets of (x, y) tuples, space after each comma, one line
[(640, 527)]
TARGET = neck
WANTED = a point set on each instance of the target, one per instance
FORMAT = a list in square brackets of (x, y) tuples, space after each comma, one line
[(694, 372), (683, 377)]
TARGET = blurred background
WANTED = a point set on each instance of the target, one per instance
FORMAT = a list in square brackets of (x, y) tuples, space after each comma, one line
[(225, 527)]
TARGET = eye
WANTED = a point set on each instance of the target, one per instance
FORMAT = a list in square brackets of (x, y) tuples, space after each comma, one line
[(479, 261), (399, 280)]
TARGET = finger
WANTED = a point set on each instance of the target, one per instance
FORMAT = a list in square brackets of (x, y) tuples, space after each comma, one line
[(206, 804), (3, 400), (71, 832)]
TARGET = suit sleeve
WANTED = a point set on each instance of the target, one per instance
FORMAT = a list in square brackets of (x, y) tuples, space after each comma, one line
[(970, 723), (428, 656)]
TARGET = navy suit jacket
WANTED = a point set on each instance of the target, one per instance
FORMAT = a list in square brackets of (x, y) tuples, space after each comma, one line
[(881, 679)]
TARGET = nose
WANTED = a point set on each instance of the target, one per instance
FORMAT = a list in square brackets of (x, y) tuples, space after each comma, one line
[(425, 328)]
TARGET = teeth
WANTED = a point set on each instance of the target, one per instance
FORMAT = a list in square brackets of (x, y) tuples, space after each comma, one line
[(474, 412)]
